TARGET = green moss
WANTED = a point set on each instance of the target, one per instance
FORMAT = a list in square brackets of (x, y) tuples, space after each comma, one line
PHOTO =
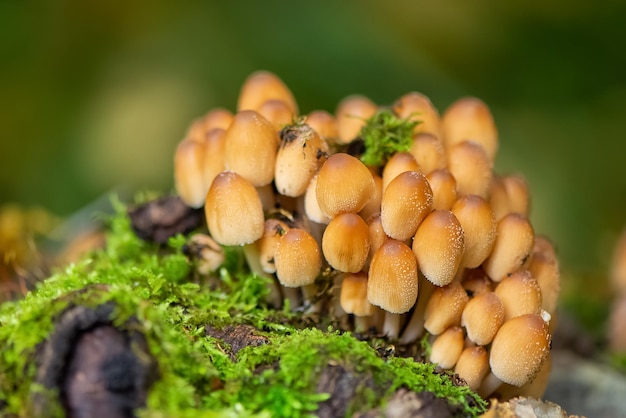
[(157, 286), (384, 134)]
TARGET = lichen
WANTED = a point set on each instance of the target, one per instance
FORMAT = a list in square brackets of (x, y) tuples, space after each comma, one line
[(197, 376), (384, 134)]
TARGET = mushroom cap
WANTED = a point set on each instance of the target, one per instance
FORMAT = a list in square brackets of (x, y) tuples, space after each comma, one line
[(213, 162), (188, 174), (353, 296), (301, 153), (344, 184), (513, 247), (345, 242), (416, 106), (392, 279), (482, 316), (520, 294), (323, 123), (429, 152), (472, 366), (519, 349), (444, 308), (469, 118), (397, 164), (479, 227), (250, 149), (447, 348), (406, 202), (439, 245), (233, 210), (262, 86), (297, 258), (352, 114), (471, 167), (277, 112), (274, 229), (443, 185)]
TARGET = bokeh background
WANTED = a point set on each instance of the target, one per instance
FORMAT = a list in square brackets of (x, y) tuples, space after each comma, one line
[(95, 95)]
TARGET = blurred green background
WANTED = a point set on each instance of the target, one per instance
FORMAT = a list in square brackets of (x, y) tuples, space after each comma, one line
[(95, 95)]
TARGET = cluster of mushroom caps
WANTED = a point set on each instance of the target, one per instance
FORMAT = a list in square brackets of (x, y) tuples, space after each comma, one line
[(425, 239)]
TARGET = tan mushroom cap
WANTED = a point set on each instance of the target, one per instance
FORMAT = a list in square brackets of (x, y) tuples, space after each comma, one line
[(545, 269), (444, 308), (262, 86), (469, 118), (277, 112), (233, 210), (429, 152), (217, 118), (301, 153), (353, 296), (323, 123), (250, 149), (447, 348), (520, 294), (344, 184), (519, 349), (213, 162), (482, 317), (345, 243), (273, 230), (416, 106), (297, 258), (443, 185), (406, 202), (479, 227), (397, 164), (513, 247), (509, 194), (472, 366), (392, 278), (439, 245), (311, 206), (471, 168), (188, 175), (372, 207), (352, 114)]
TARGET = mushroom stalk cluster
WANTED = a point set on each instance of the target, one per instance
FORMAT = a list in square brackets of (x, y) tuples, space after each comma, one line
[(390, 219)]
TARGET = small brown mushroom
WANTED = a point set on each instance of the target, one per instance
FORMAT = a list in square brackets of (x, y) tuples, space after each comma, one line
[(479, 228), (513, 247), (344, 184), (472, 366), (471, 168), (188, 174), (233, 210), (417, 107), (406, 202), (297, 258), (352, 113), (519, 349), (250, 149), (482, 316), (345, 243), (262, 86), (447, 348), (439, 245), (444, 308), (469, 118)]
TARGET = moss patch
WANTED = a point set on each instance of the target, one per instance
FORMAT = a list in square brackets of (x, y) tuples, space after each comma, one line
[(198, 376), (384, 134)]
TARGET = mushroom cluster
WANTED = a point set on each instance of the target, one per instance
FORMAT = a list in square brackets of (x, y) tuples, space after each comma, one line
[(388, 218)]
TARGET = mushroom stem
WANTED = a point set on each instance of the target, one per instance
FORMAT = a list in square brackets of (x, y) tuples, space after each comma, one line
[(361, 323), (391, 327), (309, 295), (489, 385), (415, 327), (251, 253), (292, 294)]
